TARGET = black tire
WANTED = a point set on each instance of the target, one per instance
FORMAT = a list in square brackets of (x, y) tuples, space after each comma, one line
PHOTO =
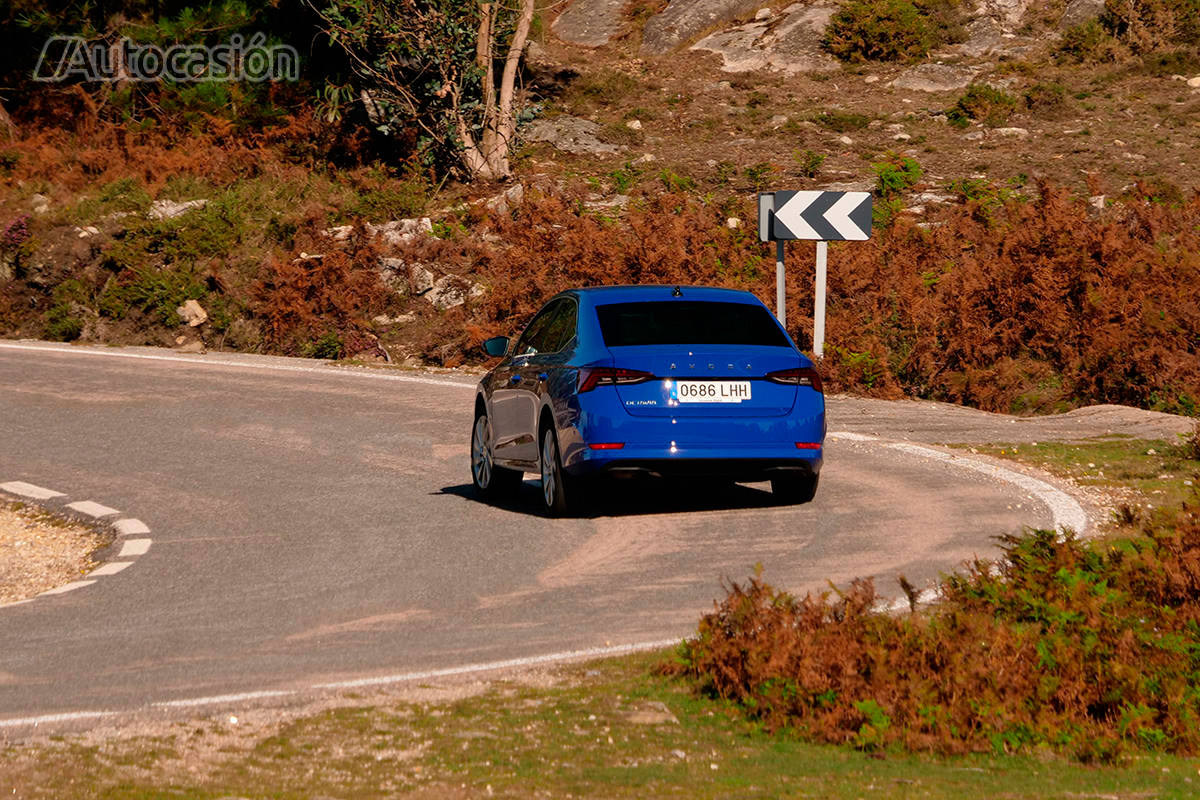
[(794, 489), (490, 481), (557, 486)]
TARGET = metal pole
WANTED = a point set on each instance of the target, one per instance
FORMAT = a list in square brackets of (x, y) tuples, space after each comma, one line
[(819, 301), (780, 288)]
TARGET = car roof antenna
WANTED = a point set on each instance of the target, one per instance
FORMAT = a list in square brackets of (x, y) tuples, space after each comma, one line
[(677, 293)]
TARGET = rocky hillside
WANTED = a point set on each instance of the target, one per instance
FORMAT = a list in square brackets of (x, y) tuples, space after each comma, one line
[(1034, 165)]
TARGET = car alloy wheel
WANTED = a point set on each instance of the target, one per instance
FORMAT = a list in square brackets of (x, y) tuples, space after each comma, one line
[(481, 452), (554, 480)]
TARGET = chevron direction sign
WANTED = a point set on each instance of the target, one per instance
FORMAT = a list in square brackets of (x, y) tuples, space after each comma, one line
[(824, 216)]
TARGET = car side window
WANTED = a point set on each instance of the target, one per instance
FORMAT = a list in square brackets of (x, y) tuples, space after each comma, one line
[(561, 328), (534, 339)]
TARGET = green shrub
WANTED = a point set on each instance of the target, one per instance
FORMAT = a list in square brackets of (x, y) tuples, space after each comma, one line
[(328, 347), (842, 121), (984, 103), (1089, 42), (760, 175), (808, 163), (157, 292), (896, 175), (1046, 98), (879, 30)]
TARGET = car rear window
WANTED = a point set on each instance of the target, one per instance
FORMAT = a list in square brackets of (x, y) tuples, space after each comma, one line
[(688, 322)]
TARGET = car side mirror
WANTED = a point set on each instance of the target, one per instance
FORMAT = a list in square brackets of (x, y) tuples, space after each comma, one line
[(496, 346)]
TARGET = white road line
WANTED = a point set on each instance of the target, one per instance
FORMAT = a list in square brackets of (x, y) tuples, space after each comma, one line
[(852, 437), (111, 568), (592, 652), (134, 547), (219, 362), (29, 490), (66, 717), (16, 603), (223, 698), (130, 527), (70, 587), (92, 509), (1066, 511)]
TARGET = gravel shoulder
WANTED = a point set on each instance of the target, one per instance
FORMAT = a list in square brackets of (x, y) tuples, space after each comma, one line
[(943, 423), (41, 551)]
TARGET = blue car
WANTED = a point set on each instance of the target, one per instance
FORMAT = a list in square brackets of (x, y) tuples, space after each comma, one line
[(648, 380)]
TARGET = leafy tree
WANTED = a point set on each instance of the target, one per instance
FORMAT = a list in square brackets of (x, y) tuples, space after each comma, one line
[(448, 67)]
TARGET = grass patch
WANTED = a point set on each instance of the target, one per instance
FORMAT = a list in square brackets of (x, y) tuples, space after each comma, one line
[(1165, 472)]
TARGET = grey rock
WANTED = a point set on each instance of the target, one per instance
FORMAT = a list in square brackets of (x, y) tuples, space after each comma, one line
[(684, 20), (169, 209), (399, 231), (192, 314), (7, 267), (450, 291), (932, 198), (985, 36), (39, 203), (421, 279), (849, 186), (507, 200), (191, 347), (339, 233), (1194, 82), (590, 23), (654, 713), (394, 274), (790, 43), (1007, 12), (399, 319), (974, 136), (1020, 133), (600, 204), (1078, 12), (936, 78), (1097, 202), (570, 134)]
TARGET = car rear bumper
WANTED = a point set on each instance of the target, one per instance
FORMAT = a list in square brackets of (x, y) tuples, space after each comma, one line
[(735, 464)]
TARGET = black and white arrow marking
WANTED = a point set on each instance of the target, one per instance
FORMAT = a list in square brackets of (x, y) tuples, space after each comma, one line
[(825, 216)]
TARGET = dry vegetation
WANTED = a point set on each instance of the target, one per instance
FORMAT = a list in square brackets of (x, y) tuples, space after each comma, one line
[(1087, 648)]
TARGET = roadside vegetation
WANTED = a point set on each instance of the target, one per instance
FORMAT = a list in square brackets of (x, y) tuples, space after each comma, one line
[(600, 730), (1087, 649)]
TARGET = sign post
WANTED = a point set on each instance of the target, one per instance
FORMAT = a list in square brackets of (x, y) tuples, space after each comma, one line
[(817, 215)]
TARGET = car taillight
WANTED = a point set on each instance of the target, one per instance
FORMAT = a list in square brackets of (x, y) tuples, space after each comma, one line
[(800, 376), (591, 377)]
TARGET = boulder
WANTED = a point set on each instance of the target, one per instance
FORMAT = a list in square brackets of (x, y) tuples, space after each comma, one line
[(684, 20), (451, 291), (399, 231), (1078, 12), (570, 134), (192, 314), (789, 42), (1007, 12), (590, 23), (936, 78), (169, 209), (507, 200)]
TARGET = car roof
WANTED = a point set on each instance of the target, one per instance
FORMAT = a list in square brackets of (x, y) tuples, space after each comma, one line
[(603, 295)]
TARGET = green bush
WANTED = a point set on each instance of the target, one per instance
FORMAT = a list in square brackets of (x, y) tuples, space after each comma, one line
[(896, 175), (984, 103), (808, 163), (157, 292), (842, 121), (1046, 98), (879, 30)]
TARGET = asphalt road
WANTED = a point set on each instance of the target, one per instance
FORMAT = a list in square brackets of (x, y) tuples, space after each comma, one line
[(317, 525)]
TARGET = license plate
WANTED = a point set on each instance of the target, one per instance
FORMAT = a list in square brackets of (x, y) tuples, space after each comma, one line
[(711, 391)]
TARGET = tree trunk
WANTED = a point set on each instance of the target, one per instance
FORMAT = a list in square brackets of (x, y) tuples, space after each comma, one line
[(488, 158), (7, 123)]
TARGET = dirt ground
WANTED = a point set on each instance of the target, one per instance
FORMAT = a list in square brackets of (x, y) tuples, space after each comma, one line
[(40, 551)]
